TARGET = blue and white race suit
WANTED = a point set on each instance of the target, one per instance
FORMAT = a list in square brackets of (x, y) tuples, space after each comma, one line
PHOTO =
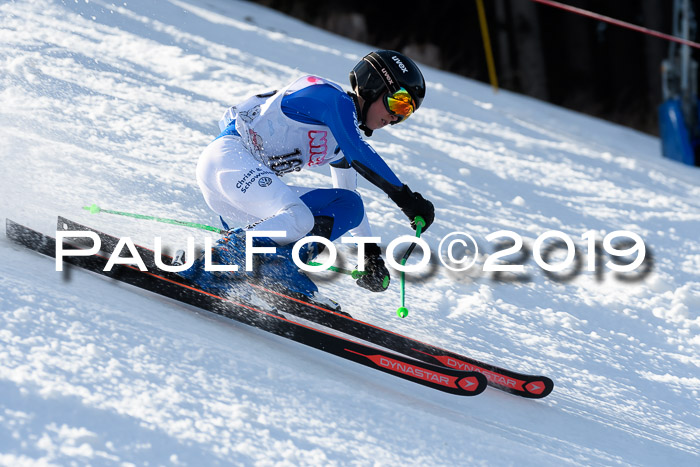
[(310, 123)]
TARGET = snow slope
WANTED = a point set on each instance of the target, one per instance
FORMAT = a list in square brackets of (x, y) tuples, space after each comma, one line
[(111, 103)]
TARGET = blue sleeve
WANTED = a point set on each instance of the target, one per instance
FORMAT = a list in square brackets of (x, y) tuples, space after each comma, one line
[(332, 107)]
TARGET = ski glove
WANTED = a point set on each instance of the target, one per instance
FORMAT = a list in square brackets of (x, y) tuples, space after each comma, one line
[(413, 204), (377, 277)]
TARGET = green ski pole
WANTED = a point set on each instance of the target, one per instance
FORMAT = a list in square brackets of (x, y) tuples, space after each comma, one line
[(94, 209), (402, 311)]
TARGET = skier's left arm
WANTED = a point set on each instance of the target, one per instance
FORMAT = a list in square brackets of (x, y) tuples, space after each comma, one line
[(341, 119)]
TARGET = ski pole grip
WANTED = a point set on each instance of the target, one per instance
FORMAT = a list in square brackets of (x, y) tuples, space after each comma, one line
[(420, 223), (93, 208)]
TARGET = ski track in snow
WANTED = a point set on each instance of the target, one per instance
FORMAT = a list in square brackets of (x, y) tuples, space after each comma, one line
[(111, 103)]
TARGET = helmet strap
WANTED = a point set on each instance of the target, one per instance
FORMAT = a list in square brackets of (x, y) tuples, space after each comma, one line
[(362, 113), (363, 126)]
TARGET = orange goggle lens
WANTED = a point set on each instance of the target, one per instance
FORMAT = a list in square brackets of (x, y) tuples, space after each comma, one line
[(400, 104)]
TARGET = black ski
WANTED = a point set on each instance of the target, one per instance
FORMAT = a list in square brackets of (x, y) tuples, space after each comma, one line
[(464, 383), (525, 385)]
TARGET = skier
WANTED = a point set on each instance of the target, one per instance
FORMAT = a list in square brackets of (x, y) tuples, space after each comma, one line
[(310, 123)]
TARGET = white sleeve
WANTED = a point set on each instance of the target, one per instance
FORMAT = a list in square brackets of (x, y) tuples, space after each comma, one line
[(227, 117), (347, 179)]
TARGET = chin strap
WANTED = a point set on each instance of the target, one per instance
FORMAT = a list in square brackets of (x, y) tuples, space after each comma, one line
[(362, 113), (367, 131)]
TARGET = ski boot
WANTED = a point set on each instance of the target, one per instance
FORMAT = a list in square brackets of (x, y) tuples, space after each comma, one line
[(275, 271), (234, 285)]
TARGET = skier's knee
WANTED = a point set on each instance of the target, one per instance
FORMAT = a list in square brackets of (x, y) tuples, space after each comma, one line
[(355, 208), (302, 221)]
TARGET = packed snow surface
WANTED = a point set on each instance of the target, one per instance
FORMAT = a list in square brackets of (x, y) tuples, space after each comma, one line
[(111, 103)]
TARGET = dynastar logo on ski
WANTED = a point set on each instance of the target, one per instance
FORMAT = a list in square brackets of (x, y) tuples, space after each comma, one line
[(468, 383), (490, 375), (534, 388), (413, 371)]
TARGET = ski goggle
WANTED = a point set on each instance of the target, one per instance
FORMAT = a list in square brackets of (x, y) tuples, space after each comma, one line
[(400, 104)]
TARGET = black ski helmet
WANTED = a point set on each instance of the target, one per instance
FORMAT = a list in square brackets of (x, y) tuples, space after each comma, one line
[(386, 70)]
